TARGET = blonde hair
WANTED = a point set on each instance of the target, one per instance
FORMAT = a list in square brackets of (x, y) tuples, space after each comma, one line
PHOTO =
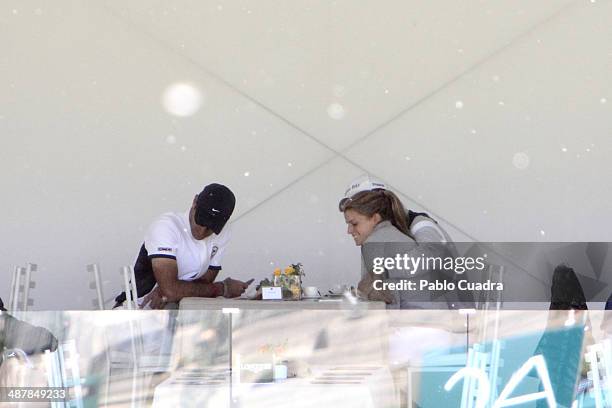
[(382, 202)]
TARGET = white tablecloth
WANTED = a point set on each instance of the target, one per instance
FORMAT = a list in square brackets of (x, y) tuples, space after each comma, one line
[(201, 303), (334, 386)]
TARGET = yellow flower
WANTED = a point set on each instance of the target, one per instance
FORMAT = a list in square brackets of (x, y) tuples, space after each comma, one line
[(277, 272), (289, 270)]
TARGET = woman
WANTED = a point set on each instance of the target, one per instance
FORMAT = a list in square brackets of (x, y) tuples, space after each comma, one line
[(422, 227), (377, 222)]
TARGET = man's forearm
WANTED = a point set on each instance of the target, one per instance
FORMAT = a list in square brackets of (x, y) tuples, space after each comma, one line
[(180, 289), (209, 276)]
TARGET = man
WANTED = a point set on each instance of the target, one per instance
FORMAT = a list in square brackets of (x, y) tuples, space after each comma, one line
[(182, 253)]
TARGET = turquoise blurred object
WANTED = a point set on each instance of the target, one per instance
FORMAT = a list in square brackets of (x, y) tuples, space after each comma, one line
[(560, 348)]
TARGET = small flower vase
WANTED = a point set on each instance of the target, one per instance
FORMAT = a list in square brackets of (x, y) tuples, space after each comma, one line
[(290, 281), (294, 286)]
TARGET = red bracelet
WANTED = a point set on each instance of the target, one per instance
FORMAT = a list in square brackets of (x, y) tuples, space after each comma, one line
[(218, 291)]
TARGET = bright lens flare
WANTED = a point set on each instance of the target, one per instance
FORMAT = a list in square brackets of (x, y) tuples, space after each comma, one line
[(182, 99)]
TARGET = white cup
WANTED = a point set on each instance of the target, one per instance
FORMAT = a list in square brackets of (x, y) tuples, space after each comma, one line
[(310, 291), (339, 289)]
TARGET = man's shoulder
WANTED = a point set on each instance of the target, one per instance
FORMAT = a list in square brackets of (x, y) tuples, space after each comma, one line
[(167, 223), (170, 219)]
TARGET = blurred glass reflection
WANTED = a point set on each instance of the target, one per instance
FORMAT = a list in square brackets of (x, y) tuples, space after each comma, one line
[(310, 358)]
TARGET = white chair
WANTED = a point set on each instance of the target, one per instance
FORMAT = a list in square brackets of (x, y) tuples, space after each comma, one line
[(135, 358), (21, 283), (29, 284), (599, 362), (63, 371), (16, 288), (96, 285)]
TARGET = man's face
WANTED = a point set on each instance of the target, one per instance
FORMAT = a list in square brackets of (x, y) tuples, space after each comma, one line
[(197, 231)]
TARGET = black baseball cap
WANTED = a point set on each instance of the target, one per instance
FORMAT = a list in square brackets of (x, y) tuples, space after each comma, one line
[(214, 207)]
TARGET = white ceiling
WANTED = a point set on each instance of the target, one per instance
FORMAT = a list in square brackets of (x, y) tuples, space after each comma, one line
[(399, 70), (296, 58)]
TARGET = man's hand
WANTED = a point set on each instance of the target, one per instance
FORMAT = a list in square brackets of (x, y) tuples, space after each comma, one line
[(234, 287), (154, 299)]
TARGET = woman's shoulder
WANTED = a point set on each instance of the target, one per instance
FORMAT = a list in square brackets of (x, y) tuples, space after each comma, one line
[(387, 232)]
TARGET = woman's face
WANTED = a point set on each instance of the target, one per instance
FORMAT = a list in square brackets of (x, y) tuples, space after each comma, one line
[(360, 226)]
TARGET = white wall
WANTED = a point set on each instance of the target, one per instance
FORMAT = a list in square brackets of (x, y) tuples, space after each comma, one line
[(438, 98)]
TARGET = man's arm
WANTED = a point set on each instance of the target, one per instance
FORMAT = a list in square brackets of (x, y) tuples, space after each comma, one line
[(209, 276), (173, 289)]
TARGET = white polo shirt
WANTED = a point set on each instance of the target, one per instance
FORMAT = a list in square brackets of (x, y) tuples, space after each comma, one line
[(169, 236)]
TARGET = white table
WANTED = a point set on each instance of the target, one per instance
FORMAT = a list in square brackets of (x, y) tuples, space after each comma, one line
[(201, 303), (331, 386), (323, 332)]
